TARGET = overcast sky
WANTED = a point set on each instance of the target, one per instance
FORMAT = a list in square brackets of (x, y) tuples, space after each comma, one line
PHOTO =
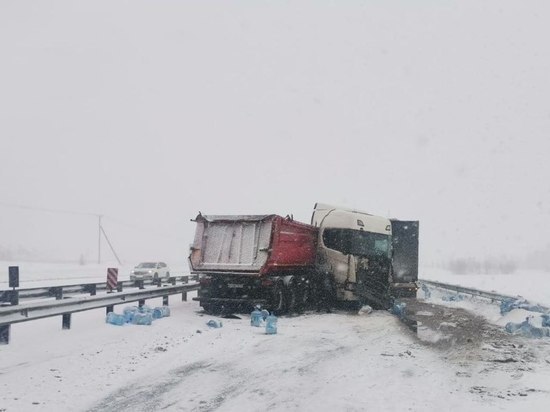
[(149, 111)]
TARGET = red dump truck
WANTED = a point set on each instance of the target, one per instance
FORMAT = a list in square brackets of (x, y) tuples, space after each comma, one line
[(248, 260), (284, 265)]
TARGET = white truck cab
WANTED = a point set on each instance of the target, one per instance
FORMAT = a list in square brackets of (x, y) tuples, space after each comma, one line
[(357, 251)]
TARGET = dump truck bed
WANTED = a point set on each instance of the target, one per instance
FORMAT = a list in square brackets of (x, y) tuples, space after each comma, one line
[(252, 245)]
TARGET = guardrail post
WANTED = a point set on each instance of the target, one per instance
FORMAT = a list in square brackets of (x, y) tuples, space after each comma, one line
[(14, 297), (4, 334), (140, 284), (66, 321), (185, 279), (10, 296), (172, 281), (184, 296), (119, 287), (109, 309), (141, 302), (91, 289), (165, 300), (57, 292), (13, 282)]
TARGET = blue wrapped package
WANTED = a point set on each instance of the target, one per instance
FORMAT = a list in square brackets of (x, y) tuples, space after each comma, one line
[(129, 313), (142, 318), (161, 312), (271, 325), (398, 309), (256, 318), (214, 323), (527, 329), (115, 319)]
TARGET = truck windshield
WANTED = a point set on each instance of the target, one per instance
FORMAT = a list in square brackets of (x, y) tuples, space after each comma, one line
[(357, 242)]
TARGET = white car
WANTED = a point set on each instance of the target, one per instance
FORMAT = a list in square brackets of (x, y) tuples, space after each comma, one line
[(150, 270)]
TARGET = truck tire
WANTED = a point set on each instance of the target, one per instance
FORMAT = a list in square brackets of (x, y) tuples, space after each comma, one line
[(325, 293), (279, 301), (211, 308), (296, 298), (292, 298)]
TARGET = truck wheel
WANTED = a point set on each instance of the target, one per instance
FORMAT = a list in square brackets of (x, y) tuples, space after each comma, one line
[(278, 304), (295, 298), (211, 309), (291, 299), (304, 298)]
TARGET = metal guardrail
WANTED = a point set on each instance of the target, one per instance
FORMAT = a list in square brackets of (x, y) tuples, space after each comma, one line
[(474, 292), (7, 296), (469, 291), (65, 306)]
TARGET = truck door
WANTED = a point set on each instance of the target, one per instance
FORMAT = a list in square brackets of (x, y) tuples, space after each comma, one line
[(405, 251)]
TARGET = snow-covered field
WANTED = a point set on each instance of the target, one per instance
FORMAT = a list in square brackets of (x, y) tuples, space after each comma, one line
[(317, 362), (35, 274), (532, 285)]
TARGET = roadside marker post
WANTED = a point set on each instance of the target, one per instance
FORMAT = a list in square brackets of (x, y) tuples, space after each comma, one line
[(112, 282), (11, 297), (66, 321), (14, 276)]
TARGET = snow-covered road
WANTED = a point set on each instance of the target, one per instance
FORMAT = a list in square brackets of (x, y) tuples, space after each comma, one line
[(336, 361)]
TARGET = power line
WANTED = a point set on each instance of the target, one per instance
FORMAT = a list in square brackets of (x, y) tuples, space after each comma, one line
[(44, 209), (144, 229), (71, 212), (97, 215)]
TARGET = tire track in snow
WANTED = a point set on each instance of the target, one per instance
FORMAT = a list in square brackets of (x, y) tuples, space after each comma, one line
[(138, 396)]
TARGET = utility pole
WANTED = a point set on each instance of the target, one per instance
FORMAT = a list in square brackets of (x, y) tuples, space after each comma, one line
[(111, 246), (99, 240), (102, 232)]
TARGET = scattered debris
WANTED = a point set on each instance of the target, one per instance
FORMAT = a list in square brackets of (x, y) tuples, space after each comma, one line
[(214, 323), (365, 310), (527, 329), (510, 304), (453, 298)]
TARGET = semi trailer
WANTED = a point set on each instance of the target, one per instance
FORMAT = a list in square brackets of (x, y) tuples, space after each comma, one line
[(342, 256)]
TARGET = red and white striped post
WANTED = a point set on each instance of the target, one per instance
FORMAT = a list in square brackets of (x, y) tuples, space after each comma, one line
[(112, 275)]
